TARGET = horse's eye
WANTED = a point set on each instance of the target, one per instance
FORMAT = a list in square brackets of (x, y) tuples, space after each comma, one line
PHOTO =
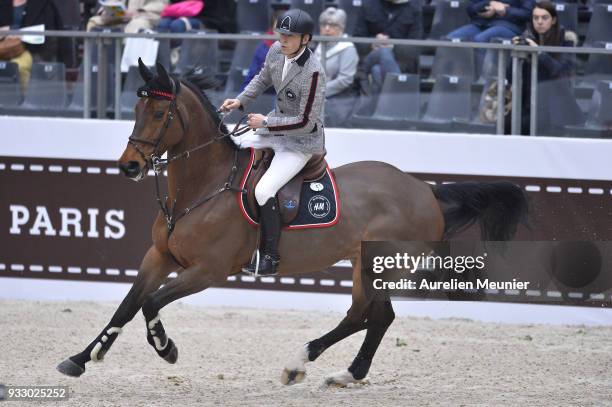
[(158, 115)]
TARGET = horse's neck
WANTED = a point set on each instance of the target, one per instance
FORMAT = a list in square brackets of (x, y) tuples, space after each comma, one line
[(205, 170)]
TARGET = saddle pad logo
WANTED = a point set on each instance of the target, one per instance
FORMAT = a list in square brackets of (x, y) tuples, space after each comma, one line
[(319, 206), (316, 186), (290, 204)]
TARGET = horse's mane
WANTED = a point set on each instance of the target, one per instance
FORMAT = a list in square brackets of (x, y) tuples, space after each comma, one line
[(198, 80)]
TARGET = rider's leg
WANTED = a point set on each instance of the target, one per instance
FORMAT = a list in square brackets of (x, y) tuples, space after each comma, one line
[(284, 166)]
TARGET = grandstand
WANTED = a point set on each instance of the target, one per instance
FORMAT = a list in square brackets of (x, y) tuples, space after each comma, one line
[(446, 93)]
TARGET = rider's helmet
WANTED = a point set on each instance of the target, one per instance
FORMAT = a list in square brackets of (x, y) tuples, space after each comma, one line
[(295, 21)]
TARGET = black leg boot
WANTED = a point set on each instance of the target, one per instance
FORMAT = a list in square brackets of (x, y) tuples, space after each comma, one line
[(271, 225)]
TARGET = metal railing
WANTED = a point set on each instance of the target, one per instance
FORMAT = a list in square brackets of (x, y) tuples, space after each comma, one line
[(518, 53)]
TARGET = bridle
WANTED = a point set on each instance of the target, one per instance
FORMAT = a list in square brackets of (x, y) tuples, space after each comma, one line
[(172, 110), (159, 164)]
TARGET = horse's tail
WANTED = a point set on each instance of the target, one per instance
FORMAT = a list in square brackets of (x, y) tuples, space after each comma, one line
[(498, 206)]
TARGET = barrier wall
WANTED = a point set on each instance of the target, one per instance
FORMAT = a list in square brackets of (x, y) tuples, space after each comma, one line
[(67, 214)]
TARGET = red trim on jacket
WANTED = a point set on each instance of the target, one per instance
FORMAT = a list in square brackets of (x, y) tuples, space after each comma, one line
[(304, 122)]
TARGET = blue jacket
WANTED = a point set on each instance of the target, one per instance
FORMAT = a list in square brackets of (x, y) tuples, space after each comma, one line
[(515, 19), (256, 63)]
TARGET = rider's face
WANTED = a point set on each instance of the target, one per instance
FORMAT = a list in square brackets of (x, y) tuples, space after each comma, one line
[(290, 44)]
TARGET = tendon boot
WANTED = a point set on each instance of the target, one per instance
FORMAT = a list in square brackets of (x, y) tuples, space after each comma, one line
[(270, 224)]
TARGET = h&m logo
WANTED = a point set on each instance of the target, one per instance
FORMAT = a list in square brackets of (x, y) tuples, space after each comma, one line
[(70, 224), (319, 206)]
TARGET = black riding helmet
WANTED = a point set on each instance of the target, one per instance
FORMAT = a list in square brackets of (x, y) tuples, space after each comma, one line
[(295, 21)]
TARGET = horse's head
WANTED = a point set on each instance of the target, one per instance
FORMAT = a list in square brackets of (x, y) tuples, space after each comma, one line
[(159, 122)]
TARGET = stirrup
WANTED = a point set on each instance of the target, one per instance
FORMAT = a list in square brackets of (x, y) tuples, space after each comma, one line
[(253, 268)]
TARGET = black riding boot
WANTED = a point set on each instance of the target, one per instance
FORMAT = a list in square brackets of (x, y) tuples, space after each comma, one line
[(270, 224)]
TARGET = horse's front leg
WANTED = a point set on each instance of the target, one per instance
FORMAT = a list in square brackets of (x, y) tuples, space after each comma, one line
[(190, 281), (153, 271)]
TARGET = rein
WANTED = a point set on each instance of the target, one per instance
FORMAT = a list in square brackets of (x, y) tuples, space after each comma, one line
[(158, 164)]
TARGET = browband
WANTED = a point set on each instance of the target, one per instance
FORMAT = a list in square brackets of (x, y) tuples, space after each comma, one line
[(153, 93)]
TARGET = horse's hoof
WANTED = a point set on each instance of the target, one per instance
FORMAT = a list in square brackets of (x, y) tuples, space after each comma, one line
[(290, 377), (342, 379), (172, 355), (70, 368)]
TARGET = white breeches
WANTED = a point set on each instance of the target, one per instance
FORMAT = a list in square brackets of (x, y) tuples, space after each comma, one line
[(284, 166)]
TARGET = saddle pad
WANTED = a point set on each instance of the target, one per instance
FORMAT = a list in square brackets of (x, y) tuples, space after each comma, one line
[(319, 202)]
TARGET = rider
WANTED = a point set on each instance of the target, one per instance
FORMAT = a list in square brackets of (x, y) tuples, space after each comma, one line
[(294, 129)]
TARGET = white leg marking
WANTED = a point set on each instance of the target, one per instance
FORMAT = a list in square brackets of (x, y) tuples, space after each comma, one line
[(295, 371), (298, 362), (341, 379), (113, 330), (153, 321), (158, 343), (94, 352)]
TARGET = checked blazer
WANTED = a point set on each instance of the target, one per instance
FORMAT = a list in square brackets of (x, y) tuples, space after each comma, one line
[(296, 123)]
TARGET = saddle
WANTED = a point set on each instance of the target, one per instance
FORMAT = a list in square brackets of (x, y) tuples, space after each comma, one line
[(288, 195)]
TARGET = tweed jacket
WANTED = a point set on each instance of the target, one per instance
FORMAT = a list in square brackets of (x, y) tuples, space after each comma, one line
[(296, 123)]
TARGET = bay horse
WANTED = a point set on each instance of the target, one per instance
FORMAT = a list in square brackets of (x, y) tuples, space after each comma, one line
[(205, 239)]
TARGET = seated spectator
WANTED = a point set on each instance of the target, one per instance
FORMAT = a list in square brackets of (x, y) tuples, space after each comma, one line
[(15, 14), (219, 15), (556, 103), (492, 19), (140, 15), (278, 9), (386, 19), (340, 68)]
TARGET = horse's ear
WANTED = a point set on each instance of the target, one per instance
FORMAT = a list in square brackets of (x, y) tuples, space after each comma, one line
[(164, 78), (144, 71)]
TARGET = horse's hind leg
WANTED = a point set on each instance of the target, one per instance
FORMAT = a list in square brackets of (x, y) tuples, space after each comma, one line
[(154, 269), (192, 280), (295, 370), (379, 317)]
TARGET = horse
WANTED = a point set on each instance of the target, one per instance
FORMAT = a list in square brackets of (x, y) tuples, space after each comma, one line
[(204, 238)]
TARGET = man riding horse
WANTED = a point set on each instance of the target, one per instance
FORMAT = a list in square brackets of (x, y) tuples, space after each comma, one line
[(294, 129)]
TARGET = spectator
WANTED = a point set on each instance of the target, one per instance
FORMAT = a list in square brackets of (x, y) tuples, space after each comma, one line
[(278, 9), (340, 68), (493, 18), (15, 14), (556, 103), (88, 10), (219, 15), (386, 19), (140, 15)]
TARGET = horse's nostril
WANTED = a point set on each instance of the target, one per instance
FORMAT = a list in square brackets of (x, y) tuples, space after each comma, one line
[(131, 169)]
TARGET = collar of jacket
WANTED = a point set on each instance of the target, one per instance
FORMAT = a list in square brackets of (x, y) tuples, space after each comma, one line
[(304, 57)]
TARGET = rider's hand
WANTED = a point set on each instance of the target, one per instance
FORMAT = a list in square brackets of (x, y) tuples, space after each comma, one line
[(256, 120), (229, 105)]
